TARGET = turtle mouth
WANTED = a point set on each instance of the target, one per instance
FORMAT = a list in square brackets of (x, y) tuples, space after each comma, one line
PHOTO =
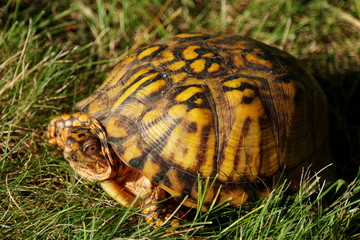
[(120, 193), (92, 171)]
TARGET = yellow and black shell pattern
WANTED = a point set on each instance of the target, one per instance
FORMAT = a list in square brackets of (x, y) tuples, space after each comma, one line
[(209, 106)]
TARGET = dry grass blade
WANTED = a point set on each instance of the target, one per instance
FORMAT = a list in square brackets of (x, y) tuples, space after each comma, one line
[(355, 22)]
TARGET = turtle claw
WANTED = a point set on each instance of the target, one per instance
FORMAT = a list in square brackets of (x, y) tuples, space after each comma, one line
[(159, 212)]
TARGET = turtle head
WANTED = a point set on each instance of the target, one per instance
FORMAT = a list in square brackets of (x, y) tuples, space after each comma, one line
[(86, 154), (83, 140)]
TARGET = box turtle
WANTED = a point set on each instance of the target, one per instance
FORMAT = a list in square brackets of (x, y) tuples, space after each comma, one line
[(229, 109)]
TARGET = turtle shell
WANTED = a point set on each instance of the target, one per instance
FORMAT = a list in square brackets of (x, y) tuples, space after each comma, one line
[(201, 106)]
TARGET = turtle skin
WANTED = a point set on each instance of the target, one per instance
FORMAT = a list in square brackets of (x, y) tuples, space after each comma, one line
[(194, 108)]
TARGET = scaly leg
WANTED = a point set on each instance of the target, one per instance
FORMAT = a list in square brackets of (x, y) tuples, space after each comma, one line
[(158, 209)]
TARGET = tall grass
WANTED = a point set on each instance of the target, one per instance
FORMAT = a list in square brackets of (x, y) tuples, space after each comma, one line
[(55, 53)]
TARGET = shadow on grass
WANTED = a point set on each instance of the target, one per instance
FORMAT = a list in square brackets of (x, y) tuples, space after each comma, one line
[(343, 91), (341, 85)]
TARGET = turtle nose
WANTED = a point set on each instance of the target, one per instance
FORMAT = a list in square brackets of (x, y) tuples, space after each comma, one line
[(59, 128), (58, 131)]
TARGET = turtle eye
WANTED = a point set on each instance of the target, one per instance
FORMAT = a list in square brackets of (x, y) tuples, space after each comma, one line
[(92, 147)]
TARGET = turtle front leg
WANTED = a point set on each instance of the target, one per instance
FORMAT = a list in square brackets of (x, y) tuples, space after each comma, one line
[(119, 194), (158, 209)]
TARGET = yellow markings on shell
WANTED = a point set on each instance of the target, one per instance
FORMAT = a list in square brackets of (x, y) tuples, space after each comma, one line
[(192, 81), (152, 168), (149, 89), (234, 195), (178, 77), (184, 145), (269, 155), (113, 92), (189, 53), (214, 67), (131, 148), (177, 185), (117, 73), (113, 78), (99, 103), (165, 57), (154, 134), (133, 88), (188, 35), (238, 61), (177, 111), (238, 45), (250, 154), (204, 120), (245, 150), (131, 109), (235, 51), (248, 92), (235, 83), (210, 193), (128, 60), (116, 127), (193, 204), (155, 124), (296, 115), (199, 101), (208, 55), (253, 58), (198, 65), (170, 190), (152, 115), (176, 65), (207, 167), (147, 52), (187, 93), (266, 75), (96, 107), (227, 166), (246, 147)]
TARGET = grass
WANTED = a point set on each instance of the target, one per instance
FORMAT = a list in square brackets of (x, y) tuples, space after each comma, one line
[(55, 54)]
